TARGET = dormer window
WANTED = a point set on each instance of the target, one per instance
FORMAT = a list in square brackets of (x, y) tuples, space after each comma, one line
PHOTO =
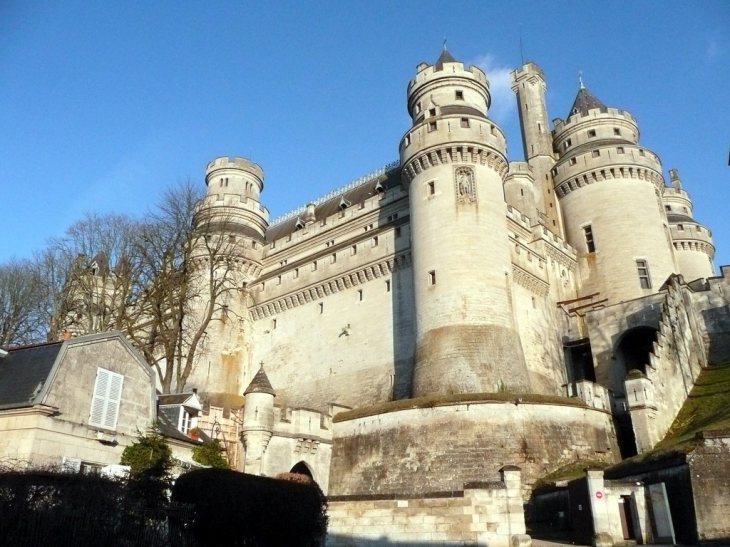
[(432, 112), (344, 204), (379, 188), (299, 224)]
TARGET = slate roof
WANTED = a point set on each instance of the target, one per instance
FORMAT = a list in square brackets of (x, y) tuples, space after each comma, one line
[(24, 371), (260, 384), (672, 218), (173, 399), (355, 196), (445, 57), (585, 101), (169, 428)]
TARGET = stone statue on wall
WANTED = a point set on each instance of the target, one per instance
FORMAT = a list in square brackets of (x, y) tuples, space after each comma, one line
[(465, 187)]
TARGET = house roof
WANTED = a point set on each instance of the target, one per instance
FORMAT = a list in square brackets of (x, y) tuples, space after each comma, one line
[(24, 371), (173, 398), (169, 428)]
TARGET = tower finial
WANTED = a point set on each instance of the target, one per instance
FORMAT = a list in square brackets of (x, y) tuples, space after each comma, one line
[(444, 43), (580, 79)]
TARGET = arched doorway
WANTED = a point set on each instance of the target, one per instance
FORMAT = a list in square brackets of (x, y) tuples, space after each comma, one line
[(302, 469), (634, 347)]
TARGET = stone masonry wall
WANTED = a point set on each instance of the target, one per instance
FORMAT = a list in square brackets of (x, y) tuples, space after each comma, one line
[(485, 514), (710, 475), (440, 448)]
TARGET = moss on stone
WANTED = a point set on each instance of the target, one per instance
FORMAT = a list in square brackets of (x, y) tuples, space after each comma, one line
[(430, 401), (707, 408)]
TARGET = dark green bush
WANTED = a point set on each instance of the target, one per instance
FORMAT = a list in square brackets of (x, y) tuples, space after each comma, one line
[(210, 453), (233, 509)]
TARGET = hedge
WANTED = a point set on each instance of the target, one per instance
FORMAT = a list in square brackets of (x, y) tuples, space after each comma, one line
[(233, 509)]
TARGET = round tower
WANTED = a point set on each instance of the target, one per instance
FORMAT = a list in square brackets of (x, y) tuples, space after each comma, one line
[(693, 248), (609, 188), (258, 421), (453, 163), (227, 255)]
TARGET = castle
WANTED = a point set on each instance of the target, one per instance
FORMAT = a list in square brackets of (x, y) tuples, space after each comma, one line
[(455, 314)]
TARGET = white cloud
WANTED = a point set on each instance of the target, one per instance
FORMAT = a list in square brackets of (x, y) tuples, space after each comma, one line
[(503, 98)]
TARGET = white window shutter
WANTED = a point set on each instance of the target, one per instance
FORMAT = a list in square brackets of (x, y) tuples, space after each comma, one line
[(106, 399), (112, 404)]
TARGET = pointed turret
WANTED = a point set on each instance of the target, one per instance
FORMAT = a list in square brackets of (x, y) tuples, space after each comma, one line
[(585, 101), (260, 384), (258, 421)]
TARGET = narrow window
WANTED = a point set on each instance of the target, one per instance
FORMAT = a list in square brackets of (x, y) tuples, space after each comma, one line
[(588, 234), (620, 150), (226, 181), (642, 268), (459, 95), (278, 280), (253, 244), (567, 144), (464, 122), (573, 161), (591, 133), (105, 401), (321, 308), (616, 131), (418, 108), (432, 126), (221, 182), (667, 207), (387, 285), (641, 153), (534, 302), (596, 153), (296, 273), (397, 231), (273, 324), (539, 127), (353, 250), (432, 277), (333, 259), (375, 241), (431, 188), (359, 295), (432, 112), (314, 266), (680, 227), (408, 140)]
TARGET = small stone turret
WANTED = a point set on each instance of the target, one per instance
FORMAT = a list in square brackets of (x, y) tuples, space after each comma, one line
[(453, 163), (258, 421), (610, 193), (693, 247)]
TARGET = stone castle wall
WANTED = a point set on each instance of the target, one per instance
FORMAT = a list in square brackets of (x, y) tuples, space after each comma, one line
[(420, 450)]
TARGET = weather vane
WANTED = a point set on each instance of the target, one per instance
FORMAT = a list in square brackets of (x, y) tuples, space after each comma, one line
[(580, 78)]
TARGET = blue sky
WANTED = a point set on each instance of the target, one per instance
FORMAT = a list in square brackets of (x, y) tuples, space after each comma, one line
[(105, 104)]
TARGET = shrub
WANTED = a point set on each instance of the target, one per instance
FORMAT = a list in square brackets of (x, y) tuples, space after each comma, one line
[(149, 460), (234, 509), (210, 453)]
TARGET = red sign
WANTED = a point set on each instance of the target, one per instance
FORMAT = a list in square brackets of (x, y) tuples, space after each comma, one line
[(599, 495)]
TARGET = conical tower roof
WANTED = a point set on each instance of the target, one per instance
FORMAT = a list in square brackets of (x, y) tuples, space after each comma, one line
[(260, 384), (445, 57), (585, 101)]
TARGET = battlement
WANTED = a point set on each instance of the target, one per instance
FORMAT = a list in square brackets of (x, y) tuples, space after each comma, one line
[(540, 232), (227, 162), (516, 216), (561, 125), (519, 167), (427, 73), (529, 72)]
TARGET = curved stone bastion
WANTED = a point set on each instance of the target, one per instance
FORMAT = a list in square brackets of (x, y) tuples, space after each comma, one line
[(439, 443)]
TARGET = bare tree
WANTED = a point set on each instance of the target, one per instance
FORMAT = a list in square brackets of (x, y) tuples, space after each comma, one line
[(188, 262), (80, 292), (19, 295)]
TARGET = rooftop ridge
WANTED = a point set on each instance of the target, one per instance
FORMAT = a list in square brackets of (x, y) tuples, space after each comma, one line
[(334, 193)]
